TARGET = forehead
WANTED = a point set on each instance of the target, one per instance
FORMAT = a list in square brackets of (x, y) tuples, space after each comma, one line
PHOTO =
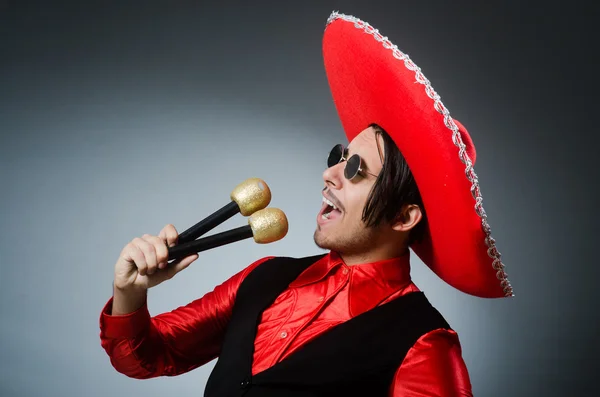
[(368, 140), (369, 145)]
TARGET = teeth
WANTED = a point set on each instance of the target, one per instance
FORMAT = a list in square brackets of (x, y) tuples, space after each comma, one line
[(329, 203)]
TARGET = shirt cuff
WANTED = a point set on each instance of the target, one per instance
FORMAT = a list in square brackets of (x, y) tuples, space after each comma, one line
[(123, 326)]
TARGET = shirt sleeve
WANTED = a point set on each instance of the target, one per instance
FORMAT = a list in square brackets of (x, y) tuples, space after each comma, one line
[(171, 343), (433, 367)]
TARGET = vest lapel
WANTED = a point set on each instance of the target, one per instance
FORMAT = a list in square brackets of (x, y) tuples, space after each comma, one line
[(365, 349), (357, 357), (256, 293)]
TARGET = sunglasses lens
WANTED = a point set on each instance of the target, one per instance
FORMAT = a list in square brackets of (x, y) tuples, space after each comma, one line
[(335, 155), (352, 166)]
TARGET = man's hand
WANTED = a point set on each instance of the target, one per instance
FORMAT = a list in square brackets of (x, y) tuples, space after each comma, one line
[(142, 265)]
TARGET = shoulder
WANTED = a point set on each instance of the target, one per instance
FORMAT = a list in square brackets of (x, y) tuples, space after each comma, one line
[(439, 341), (273, 271), (250, 268), (434, 365)]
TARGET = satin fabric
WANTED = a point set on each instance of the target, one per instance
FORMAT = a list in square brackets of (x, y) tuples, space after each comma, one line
[(323, 296)]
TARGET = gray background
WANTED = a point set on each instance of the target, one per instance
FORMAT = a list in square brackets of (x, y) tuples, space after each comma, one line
[(119, 117)]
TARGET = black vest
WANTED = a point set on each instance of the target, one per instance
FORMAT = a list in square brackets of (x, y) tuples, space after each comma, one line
[(356, 358)]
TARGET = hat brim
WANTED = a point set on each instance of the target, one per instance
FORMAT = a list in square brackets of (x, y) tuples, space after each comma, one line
[(372, 81)]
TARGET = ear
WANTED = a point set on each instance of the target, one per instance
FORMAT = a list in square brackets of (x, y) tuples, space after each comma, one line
[(409, 217)]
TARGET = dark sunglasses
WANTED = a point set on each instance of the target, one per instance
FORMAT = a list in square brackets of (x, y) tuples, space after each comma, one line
[(353, 164)]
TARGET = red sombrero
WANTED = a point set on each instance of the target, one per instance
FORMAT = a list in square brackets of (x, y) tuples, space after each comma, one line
[(372, 81)]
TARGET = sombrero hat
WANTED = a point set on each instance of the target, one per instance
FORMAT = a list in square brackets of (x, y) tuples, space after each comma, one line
[(372, 81)]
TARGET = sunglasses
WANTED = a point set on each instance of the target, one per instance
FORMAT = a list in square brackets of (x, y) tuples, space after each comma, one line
[(353, 164)]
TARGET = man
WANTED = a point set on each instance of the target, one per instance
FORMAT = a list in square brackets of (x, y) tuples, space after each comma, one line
[(349, 322)]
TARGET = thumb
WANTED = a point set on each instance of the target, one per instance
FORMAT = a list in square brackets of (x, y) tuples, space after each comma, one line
[(178, 266)]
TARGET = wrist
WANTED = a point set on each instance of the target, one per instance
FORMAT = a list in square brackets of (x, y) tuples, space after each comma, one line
[(127, 300), (126, 288)]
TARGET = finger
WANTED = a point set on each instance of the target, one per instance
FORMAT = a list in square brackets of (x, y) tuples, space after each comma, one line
[(161, 250), (179, 265), (169, 235), (134, 254), (149, 253)]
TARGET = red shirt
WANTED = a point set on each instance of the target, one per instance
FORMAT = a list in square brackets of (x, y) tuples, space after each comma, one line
[(326, 294)]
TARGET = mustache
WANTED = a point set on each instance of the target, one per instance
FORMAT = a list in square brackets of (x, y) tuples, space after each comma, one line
[(331, 197)]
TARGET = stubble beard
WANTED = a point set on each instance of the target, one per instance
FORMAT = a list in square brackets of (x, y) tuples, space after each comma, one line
[(356, 240)]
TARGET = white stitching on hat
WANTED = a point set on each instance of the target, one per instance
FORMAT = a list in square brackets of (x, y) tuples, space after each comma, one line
[(456, 139)]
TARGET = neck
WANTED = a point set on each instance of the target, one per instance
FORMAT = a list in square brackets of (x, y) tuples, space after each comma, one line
[(380, 253)]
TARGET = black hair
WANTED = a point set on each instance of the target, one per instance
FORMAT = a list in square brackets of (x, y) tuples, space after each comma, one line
[(394, 188)]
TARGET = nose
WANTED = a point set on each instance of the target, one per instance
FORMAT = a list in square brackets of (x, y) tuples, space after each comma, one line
[(333, 176)]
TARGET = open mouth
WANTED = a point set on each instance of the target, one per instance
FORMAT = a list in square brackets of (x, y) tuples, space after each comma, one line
[(329, 211)]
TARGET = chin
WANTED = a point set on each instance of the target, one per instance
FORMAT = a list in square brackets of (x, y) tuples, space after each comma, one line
[(327, 243), (320, 240)]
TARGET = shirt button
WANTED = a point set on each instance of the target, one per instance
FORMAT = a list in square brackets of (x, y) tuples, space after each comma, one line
[(284, 335), (345, 271), (321, 299)]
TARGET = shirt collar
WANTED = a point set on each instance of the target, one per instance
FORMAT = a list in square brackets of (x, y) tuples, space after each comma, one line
[(318, 270), (369, 283)]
